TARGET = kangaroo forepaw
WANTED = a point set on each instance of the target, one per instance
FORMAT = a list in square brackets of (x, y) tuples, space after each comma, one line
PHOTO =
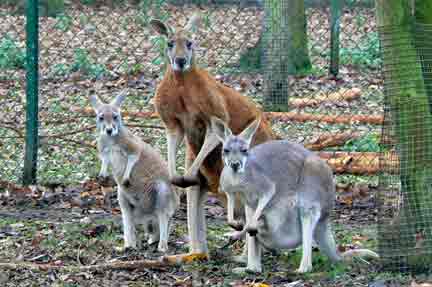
[(126, 182), (102, 179), (234, 236), (185, 181), (236, 225), (253, 231)]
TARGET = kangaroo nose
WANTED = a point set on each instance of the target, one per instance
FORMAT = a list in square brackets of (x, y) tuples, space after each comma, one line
[(109, 131), (235, 166), (181, 62)]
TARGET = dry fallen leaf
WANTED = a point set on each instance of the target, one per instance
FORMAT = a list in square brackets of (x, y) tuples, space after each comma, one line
[(414, 284)]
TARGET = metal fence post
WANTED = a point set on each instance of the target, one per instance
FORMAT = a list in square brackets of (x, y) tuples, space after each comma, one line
[(32, 78), (335, 11)]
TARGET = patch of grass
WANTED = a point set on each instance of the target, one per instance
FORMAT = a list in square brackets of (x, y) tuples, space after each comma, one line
[(11, 55), (368, 143), (132, 69), (85, 64), (64, 22), (82, 63), (365, 55), (151, 9)]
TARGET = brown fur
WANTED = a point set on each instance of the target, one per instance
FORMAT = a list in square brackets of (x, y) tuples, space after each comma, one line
[(187, 100)]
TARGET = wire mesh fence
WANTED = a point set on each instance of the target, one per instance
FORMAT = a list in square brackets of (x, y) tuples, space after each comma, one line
[(405, 194), (12, 95), (104, 47)]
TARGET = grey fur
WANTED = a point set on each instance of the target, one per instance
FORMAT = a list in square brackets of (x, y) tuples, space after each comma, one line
[(288, 194), (144, 192)]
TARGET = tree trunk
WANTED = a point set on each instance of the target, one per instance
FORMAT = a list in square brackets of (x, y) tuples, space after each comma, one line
[(412, 124), (285, 49), (423, 15)]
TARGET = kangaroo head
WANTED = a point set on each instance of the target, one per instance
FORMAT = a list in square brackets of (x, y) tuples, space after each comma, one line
[(108, 118), (180, 45), (235, 147)]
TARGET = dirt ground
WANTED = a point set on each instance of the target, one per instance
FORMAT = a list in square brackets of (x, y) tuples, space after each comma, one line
[(63, 228), (65, 224)]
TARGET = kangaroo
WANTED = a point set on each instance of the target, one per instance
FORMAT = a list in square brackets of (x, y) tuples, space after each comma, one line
[(185, 99), (288, 193), (144, 192)]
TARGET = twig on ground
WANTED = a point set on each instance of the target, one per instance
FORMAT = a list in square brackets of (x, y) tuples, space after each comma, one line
[(332, 140), (281, 116), (118, 265)]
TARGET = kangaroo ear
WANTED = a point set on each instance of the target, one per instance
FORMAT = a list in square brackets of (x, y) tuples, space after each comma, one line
[(221, 130), (248, 133), (119, 99), (95, 102), (160, 27), (194, 23)]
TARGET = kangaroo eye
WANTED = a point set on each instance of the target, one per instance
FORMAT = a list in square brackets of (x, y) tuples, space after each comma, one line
[(189, 45), (170, 44), (226, 150), (101, 117), (115, 117), (243, 150)]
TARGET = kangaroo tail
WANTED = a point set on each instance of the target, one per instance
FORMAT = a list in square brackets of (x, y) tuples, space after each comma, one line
[(350, 254)]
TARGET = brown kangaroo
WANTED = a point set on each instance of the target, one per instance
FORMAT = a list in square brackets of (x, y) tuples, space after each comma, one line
[(186, 100)]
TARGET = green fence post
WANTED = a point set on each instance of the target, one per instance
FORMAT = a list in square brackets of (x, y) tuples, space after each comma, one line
[(335, 11), (32, 78)]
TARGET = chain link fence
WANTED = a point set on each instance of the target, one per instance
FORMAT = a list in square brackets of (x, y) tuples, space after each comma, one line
[(329, 94), (12, 94), (104, 47), (405, 194)]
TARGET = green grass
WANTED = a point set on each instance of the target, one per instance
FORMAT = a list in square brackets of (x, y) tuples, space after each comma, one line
[(367, 143), (11, 55), (64, 22), (83, 63), (365, 55)]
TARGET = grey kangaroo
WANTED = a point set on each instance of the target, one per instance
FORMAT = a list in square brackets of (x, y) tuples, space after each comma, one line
[(144, 192), (288, 193)]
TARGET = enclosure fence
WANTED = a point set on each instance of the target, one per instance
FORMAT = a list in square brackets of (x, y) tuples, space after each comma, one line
[(405, 196), (314, 66)]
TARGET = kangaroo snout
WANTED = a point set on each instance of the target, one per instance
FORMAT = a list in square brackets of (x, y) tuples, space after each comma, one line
[(181, 62), (109, 131), (236, 166)]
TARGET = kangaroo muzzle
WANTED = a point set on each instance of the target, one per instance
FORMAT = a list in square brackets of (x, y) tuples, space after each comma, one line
[(111, 130), (181, 62), (236, 166)]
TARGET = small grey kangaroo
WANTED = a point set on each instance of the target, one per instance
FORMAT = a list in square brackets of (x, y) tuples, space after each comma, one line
[(288, 193), (144, 192)]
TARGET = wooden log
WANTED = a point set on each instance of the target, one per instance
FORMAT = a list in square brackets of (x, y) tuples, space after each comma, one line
[(330, 119), (165, 261), (281, 116), (331, 140), (361, 163), (335, 97)]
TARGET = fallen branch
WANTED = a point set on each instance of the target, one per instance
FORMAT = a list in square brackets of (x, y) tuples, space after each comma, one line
[(90, 112), (362, 163), (12, 187), (281, 116), (332, 140), (145, 126), (165, 261), (332, 98), (330, 119), (12, 127), (62, 135), (118, 265)]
